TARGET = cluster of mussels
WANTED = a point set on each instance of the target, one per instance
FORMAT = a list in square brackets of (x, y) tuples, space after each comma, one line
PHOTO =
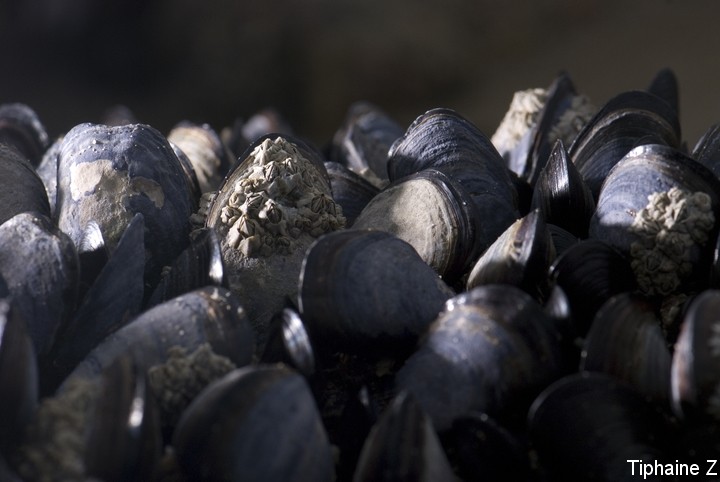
[(426, 303)]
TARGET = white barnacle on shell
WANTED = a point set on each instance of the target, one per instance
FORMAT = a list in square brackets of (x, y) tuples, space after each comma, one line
[(668, 227)]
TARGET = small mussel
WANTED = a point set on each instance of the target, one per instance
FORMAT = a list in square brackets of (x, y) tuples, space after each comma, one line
[(350, 190), (108, 174), (433, 214), (492, 350), (403, 446), (367, 289), (256, 423)]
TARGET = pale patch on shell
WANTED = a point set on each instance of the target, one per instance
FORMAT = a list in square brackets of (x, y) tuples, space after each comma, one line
[(279, 196), (670, 225), (572, 120), (522, 115)]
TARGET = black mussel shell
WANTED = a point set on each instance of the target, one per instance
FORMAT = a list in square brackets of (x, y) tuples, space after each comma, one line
[(190, 175), (707, 149), (434, 215), (366, 289), (589, 426), (403, 446), (21, 189), (47, 172), (625, 340), (257, 423), (626, 121), (665, 86), (263, 122), (123, 439), (289, 343), (442, 139), (561, 194), (21, 127), (350, 190)]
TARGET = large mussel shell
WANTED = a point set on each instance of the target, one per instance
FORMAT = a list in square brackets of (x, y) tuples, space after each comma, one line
[(350, 190), (521, 257), (403, 446), (665, 86), (491, 350), (695, 376), (210, 157), (442, 139), (363, 141), (627, 120), (561, 194), (21, 189), (208, 315), (366, 288), (625, 340), (257, 423), (655, 169), (108, 174), (18, 378), (588, 426), (123, 440), (431, 213), (590, 272), (40, 266), (21, 127)]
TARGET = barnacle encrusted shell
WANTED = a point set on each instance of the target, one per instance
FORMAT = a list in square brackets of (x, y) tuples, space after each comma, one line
[(268, 211), (672, 222)]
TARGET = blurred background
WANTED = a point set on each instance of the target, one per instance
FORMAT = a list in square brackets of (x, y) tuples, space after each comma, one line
[(216, 61)]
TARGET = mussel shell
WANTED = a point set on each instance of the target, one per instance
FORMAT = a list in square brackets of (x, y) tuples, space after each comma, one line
[(403, 445), (431, 213), (561, 194), (21, 189), (47, 172), (361, 288), (350, 190), (208, 315), (40, 266), (695, 377), (257, 423), (521, 257), (587, 426), (492, 350), (21, 127), (665, 86), (626, 121), (289, 343), (707, 149), (625, 341), (442, 139), (123, 439), (108, 174)]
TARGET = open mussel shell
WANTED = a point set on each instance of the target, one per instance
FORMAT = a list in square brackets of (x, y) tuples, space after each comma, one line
[(588, 426), (433, 214), (257, 423), (18, 378), (211, 159), (200, 264), (21, 189), (270, 208), (21, 127), (561, 194), (590, 272), (109, 174), (208, 315), (366, 288), (492, 350), (111, 301), (363, 141), (123, 440), (442, 139), (40, 266), (350, 190), (626, 121), (521, 257), (625, 340), (659, 207), (695, 375), (403, 446)]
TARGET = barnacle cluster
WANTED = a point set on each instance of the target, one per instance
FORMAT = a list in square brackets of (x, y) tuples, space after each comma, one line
[(670, 225), (176, 382), (279, 196)]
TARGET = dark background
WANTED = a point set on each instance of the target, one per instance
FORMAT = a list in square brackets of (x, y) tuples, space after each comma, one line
[(215, 61)]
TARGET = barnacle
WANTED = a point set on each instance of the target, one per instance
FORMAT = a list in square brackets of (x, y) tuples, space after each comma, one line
[(278, 197), (672, 222)]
